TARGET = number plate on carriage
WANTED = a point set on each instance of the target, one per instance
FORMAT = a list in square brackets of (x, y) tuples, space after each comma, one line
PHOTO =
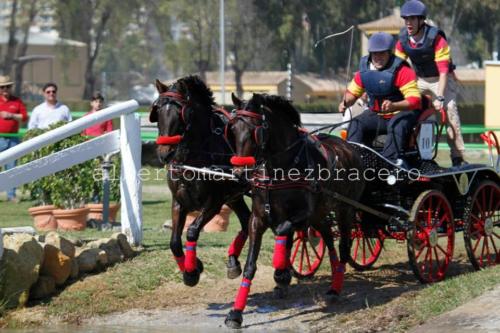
[(426, 141)]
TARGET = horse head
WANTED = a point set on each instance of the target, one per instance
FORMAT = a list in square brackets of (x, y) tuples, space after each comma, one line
[(181, 112), (261, 126)]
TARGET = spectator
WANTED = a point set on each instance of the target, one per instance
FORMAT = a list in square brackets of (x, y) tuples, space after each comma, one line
[(50, 111), (12, 113), (96, 104)]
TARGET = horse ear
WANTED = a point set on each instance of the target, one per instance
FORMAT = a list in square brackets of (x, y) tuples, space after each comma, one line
[(236, 101), (160, 86)]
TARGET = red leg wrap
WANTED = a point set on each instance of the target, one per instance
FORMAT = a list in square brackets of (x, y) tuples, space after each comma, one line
[(241, 299), (279, 256), (338, 278), (180, 262), (190, 262), (237, 244)]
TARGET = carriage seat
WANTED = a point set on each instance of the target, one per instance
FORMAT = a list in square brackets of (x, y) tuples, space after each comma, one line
[(428, 115)]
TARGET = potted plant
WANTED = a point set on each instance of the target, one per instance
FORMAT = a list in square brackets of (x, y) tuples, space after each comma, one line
[(96, 207), (40, 190), (70, 189)]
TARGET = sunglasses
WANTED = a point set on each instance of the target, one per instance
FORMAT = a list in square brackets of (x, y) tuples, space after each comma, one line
[(48, 92), (6, 87)]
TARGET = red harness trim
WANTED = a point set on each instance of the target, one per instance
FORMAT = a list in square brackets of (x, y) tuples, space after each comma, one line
[(249, 114), (243, 160), (168, 140)]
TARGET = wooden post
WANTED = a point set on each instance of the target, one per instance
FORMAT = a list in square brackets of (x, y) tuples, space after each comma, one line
[(130, 182)]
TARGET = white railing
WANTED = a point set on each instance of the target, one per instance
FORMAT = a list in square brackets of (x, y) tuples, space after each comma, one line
[(126, 140)]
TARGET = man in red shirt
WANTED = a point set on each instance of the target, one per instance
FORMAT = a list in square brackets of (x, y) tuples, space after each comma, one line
[(12, 113), (393, 98), (96, 104), (429, 52)]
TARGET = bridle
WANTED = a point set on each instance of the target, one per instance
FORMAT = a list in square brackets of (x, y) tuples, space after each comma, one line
[(184, 112), (260, 134)]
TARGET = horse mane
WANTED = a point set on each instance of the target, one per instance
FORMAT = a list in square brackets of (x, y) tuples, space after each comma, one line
[(282, 108), (193, 87)]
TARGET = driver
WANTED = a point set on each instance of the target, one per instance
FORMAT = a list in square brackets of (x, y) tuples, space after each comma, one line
[(394, 100)]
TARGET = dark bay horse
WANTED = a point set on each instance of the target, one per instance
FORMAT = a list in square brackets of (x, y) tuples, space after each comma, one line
[(294, 177), (191, 132)]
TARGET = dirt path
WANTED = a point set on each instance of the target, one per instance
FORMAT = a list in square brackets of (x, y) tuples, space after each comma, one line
[(306, 308)]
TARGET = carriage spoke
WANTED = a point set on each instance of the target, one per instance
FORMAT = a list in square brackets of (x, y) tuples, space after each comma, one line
[(301, 258), (442, 250), (314, 250), (294, 255), (307, 256), (475, 246), (356, 247), (422, 248), (363, 258)]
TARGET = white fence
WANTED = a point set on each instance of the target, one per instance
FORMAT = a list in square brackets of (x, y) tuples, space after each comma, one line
[(126, 140)]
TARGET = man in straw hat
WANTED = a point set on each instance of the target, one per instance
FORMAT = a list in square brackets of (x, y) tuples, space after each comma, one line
[(12, 113)]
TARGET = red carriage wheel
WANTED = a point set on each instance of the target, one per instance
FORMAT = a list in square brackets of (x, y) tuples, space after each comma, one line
[(364, 250), (482, 227), (308, 250), (431, 237)]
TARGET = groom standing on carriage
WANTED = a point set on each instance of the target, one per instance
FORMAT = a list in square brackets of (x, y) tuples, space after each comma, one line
[(394, 99)]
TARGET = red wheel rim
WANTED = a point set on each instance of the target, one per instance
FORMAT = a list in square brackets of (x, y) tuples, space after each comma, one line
[(483, 227), (307, 253), (433, 237), (364, 250)]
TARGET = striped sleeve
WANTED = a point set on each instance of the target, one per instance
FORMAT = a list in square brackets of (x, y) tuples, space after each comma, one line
[(406, 81), (399, 51), (442, 54), (356, 87)]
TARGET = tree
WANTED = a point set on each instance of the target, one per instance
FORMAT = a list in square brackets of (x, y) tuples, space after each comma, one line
[(199, 39), (89, 21), (246, 37), (22, 14)]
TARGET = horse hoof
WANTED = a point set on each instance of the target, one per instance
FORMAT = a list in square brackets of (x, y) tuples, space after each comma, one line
[(282, 277), (233, 268), (199, 266), (234, 319), (280, 292), (191, 279), (332, 295)]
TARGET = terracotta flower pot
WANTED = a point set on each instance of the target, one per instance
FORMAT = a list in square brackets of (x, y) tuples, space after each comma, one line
[(71, 219), (218, 223), (43, 219), (96, 211)]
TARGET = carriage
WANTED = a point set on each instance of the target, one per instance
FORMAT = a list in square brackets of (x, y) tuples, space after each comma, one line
[(424, 206)]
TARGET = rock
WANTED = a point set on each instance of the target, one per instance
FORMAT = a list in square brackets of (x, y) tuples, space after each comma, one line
[(20, 266), (110, 245), (63, 244), (87, 259), (124, 244), (44, 287), (75, 270), (56, 264)]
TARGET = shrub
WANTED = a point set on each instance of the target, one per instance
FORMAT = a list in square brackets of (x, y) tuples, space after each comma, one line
[(69, 188)]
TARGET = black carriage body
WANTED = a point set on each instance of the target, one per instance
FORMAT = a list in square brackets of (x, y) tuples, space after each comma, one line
[(394, 190)]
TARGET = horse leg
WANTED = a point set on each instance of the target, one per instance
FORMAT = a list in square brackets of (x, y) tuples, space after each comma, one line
[(256, 229), (326, 233), (281, 258), (193, 265), (178, 221), (233, 265), (345, 216)]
